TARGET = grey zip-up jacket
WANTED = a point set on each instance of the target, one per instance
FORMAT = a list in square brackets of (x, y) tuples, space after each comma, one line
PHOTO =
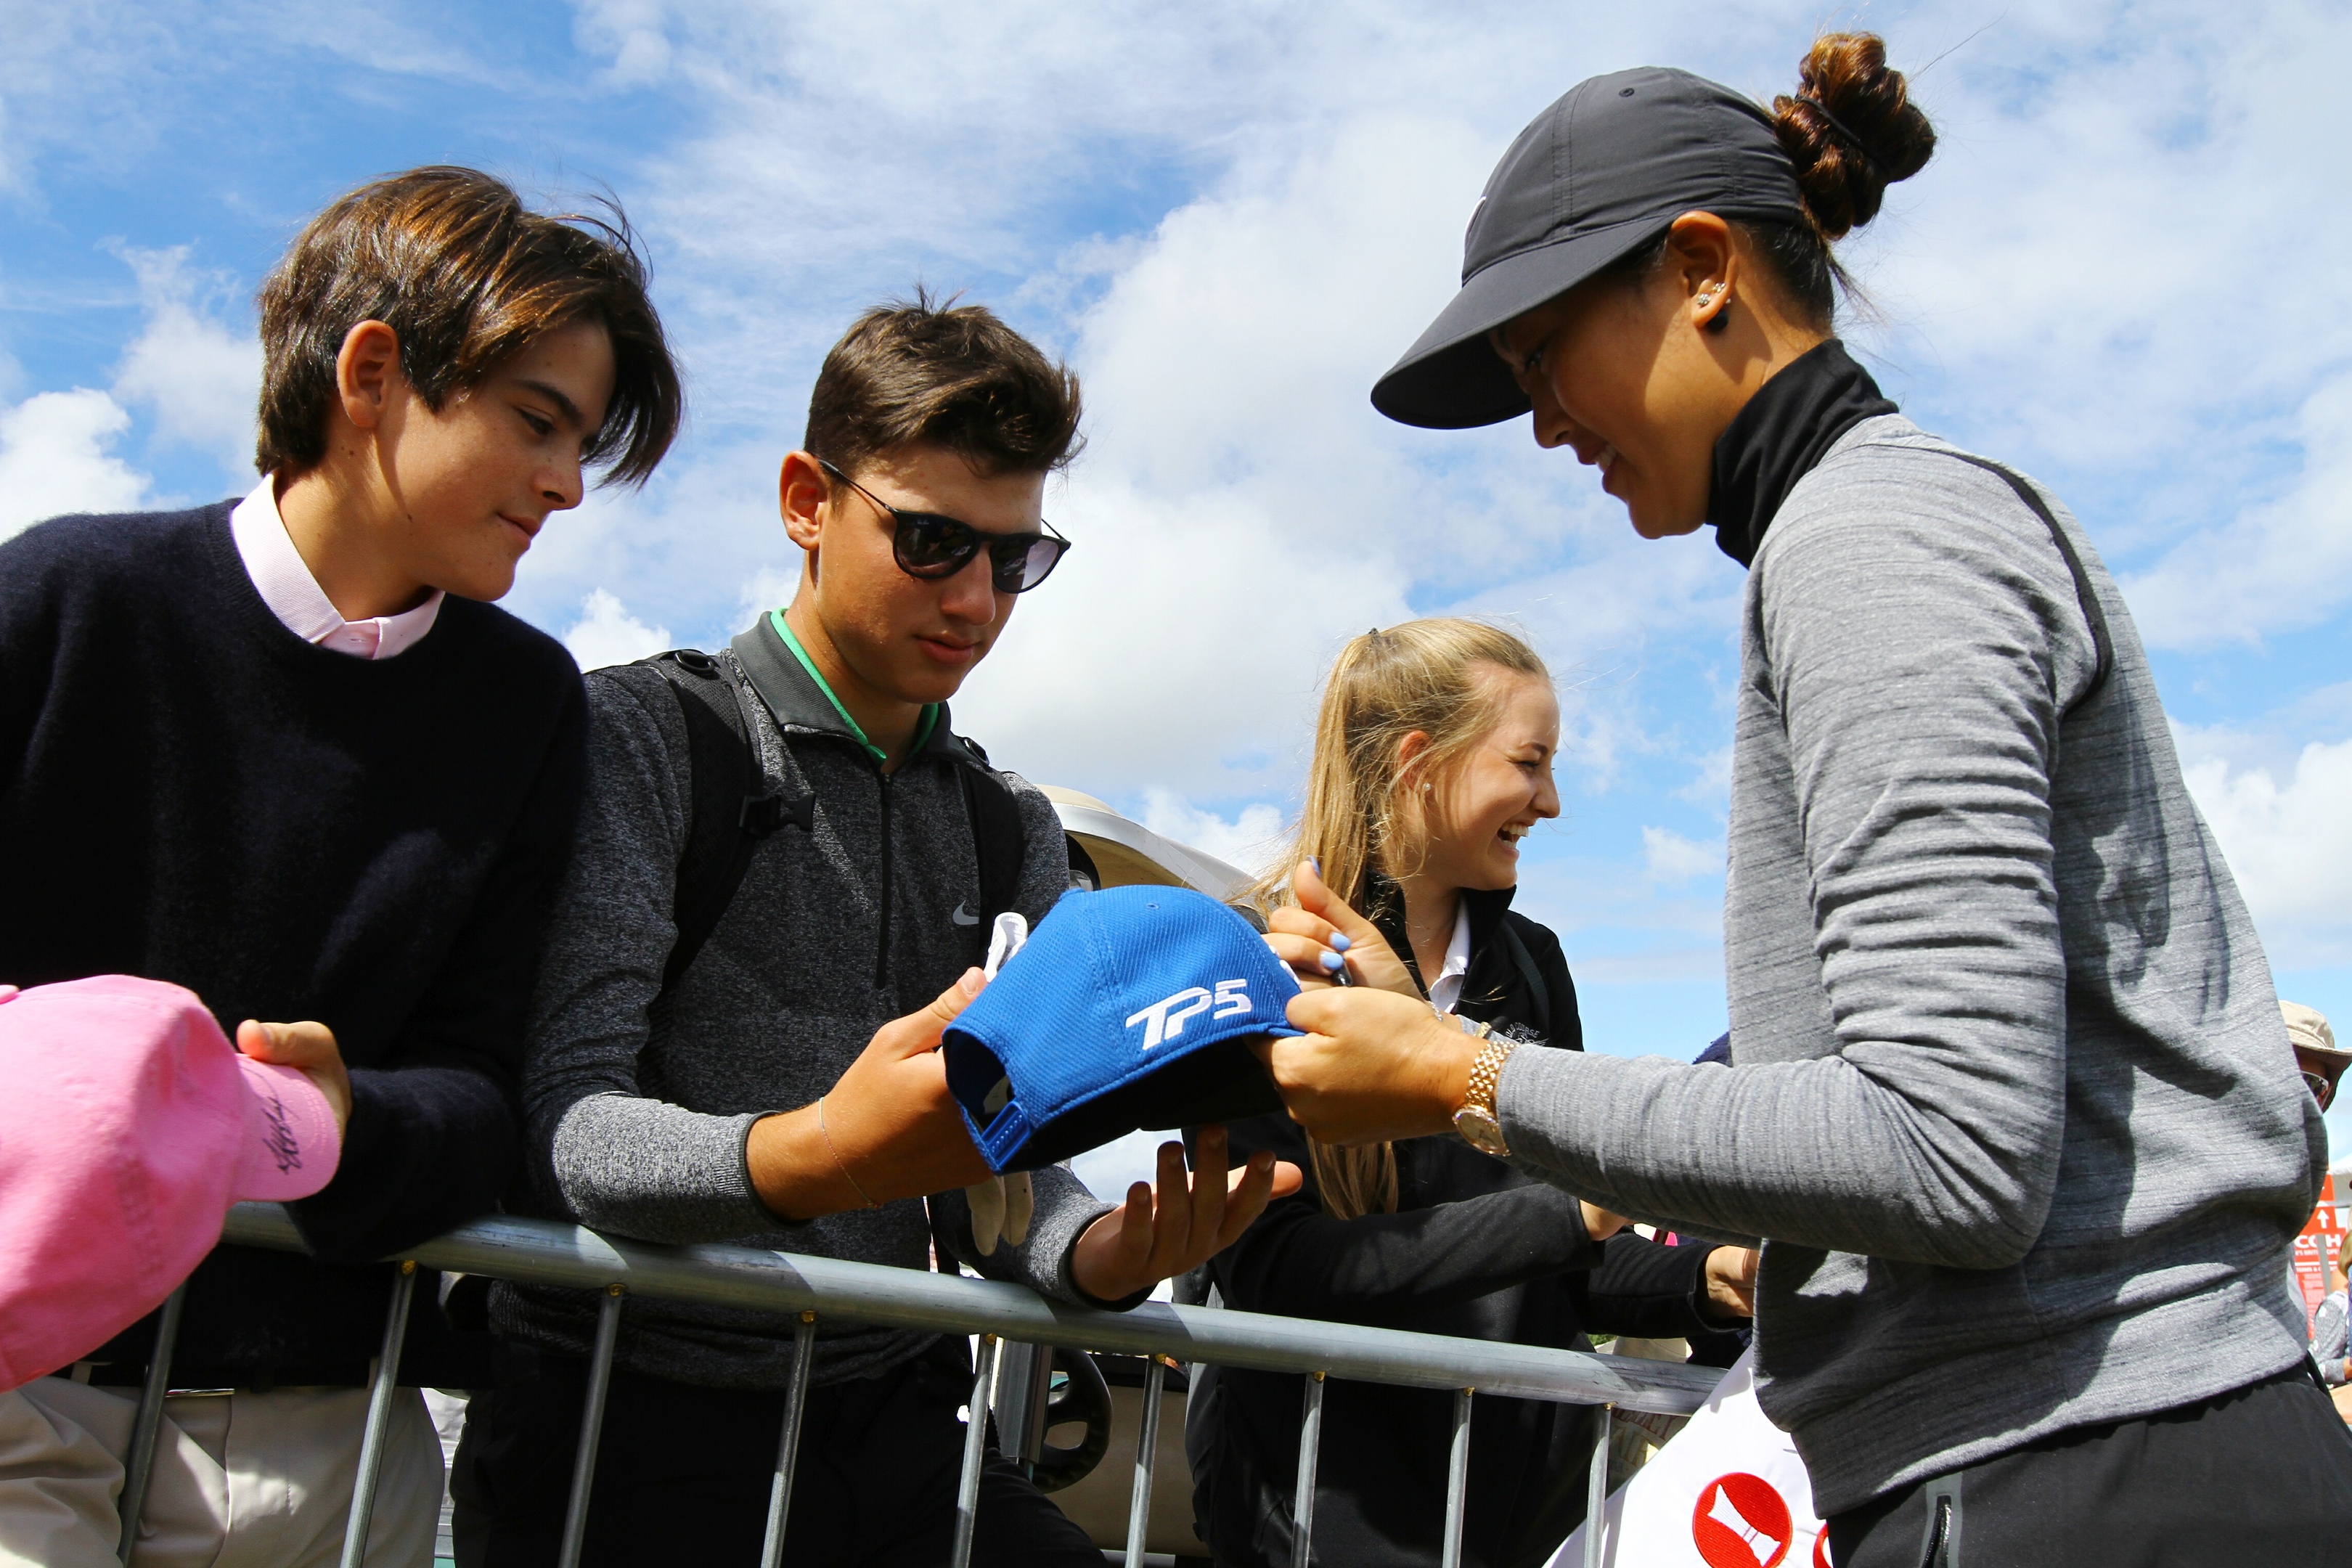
[(639, 1128), (2010, 1095)]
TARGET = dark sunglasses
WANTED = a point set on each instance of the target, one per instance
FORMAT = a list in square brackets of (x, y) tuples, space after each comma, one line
[(927, 544), (2321, 1089)]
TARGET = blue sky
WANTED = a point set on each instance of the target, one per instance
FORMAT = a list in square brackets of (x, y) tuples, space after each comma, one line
[(1231, 218)]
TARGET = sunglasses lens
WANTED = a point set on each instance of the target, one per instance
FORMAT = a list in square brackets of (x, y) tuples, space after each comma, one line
[(2320, 1088), (931, 546), (1018, 570)]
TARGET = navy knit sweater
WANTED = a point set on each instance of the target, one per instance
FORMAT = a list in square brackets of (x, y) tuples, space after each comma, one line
[(190, 792)]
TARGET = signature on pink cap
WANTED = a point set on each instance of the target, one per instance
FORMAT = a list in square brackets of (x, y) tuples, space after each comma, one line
[(128, 1125)]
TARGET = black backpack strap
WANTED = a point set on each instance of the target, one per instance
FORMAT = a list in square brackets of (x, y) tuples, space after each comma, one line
[(1538, 994), (730, 807), (999, 840), (2101, 643)]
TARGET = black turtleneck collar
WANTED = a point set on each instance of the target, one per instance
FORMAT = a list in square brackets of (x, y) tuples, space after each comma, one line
[(1776, 440)]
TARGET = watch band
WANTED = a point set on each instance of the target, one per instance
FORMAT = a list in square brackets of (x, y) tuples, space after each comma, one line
[(1486, 1068)]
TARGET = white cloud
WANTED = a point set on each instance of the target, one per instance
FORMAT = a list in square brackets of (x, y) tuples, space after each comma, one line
[(1278, 193), (1246, 841), (2278, 566), (54, 459), (1710, 785), (199, 378), (2288, 840), (631, 32), (1174, 648), (607, 634), (1242, 510), (1668, 857)]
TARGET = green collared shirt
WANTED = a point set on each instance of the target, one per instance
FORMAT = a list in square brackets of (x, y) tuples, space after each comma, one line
[(922, 728)]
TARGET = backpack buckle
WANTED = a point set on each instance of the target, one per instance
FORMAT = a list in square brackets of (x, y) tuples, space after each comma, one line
[(764, 814)]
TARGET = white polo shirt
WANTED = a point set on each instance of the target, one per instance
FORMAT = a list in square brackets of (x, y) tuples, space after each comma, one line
[(1445, 991)]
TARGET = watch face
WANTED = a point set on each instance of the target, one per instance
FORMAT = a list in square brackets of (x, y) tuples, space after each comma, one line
[(1481, 1131)]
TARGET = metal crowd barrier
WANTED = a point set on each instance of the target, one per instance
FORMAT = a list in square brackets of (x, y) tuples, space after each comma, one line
[(547, 1253)]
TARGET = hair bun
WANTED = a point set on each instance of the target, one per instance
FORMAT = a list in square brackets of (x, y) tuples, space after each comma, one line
[(1850, 130)]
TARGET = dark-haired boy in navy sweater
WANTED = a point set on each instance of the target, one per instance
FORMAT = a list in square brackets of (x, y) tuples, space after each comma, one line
[(284, 753)]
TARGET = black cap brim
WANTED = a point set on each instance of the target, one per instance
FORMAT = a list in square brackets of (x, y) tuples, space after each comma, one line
[(1452, 379)]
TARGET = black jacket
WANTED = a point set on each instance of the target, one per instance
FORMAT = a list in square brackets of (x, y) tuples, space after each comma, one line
[(1474, 1249)]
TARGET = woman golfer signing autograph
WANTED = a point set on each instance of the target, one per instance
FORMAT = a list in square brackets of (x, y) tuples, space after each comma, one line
[(2009, 1096)]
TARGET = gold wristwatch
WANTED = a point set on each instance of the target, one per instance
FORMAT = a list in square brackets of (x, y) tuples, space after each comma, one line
[(1477, 1121)]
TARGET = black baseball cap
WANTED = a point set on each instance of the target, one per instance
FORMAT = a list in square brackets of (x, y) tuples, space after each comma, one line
[(1598, 175)]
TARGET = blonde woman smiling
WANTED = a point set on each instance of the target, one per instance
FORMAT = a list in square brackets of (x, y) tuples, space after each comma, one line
[(1433, 761)]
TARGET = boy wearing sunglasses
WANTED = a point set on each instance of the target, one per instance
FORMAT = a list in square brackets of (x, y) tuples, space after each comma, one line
[(787, 866)]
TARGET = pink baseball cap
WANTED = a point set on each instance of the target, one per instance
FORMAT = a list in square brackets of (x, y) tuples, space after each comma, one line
[(128, 1125)]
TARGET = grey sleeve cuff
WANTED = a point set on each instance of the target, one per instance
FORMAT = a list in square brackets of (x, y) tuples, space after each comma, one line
[(1064, 1208), (657, 1171)]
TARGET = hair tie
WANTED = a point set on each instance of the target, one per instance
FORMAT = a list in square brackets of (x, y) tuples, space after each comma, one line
[(1847, 131)]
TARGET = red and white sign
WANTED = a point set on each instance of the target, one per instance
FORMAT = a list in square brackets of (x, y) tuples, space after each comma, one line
[(2315, 1249), (1728, 1492), (1740, 1522)]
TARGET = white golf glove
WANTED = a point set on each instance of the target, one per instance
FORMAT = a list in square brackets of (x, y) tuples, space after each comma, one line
[(1001, 1206)]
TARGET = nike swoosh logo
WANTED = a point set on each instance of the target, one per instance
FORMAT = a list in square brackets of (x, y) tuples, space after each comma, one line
[(964, 917)]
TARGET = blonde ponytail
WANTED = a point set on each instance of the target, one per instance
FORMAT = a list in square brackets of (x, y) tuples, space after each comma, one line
[(1362, 811)]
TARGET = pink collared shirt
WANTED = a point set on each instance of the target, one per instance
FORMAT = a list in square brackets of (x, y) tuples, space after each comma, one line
[(284, 582)]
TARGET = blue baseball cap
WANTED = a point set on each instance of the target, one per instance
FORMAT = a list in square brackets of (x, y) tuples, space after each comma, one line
[(1133, 1007)]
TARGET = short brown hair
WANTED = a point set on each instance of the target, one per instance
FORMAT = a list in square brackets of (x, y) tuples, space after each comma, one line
[(944, 375), (453, 263)]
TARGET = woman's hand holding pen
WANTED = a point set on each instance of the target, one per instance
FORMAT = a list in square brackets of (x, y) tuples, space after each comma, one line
[(1327, 943)]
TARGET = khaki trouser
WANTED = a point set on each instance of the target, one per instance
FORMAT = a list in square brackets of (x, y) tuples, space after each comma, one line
[(241, 1480)]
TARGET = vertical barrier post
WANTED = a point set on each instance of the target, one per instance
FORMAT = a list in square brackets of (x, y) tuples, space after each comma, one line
[(1024, 1382), (1147, 1455), (592, 1427), (1310, 1440), (1457, 1480), (1596, 1493), (787, 1450), (141, 1467), (975, 1449), (378, 1416)]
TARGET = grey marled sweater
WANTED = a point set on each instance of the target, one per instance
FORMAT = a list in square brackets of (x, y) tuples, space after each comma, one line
[(2009, 1094), (640, 1130)]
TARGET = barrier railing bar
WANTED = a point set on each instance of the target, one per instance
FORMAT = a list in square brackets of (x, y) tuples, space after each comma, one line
[(592, 1428), (545, 1252), (150, 1420), (788, 1447), (1457, 1480), (1311, 1443), (1596, 1492), (975, 1449), (1147, 1454), (378, 1416)]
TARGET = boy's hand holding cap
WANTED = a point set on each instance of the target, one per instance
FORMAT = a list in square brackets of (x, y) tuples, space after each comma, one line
[(128, 1125)]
